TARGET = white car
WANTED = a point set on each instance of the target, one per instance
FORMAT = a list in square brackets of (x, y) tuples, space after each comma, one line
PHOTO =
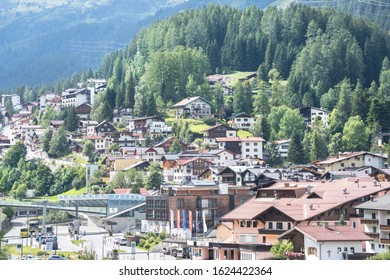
[(30, 257)]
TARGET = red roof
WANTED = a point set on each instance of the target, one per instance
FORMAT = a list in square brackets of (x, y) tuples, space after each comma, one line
[(186, 161), (122, 191), (335, 233)]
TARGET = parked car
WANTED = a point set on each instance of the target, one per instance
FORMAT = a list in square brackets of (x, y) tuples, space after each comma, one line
[(123, 241), (30, 257), (56, 257)]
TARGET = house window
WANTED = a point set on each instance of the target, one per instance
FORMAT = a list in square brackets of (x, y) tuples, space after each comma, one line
[(352, 250), (288, 225), (254, 224), (242, 224), (373, 247), (338, 250), (337, 212), (248, 223), (342, 164), (279, 225), (270, 225), (312, 251), (373, 215), (180, 203), (264, 239)]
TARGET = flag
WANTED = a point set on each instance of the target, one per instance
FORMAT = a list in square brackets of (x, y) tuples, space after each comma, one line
[(190, 219), (178, 219), (204, 222), (184, 220), (171, 218), (196, 221)]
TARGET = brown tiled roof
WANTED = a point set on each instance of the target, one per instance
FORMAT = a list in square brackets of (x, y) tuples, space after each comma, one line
[(302, 207), (335, 233)]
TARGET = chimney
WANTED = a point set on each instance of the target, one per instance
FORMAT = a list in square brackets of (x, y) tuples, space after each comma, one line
[(345, 191), (308, 189), (311, 206), (286, 185), (371, 197)]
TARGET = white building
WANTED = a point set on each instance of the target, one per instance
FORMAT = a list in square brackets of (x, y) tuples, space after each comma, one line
[(15, 99), (310, 113), (193, 107), (76, 97), (376, 222), (242, 121), (326, 243), (248, 147), (282, 147)]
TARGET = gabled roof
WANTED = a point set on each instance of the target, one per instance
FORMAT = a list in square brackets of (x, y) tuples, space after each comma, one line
[(189, 100), (345, 156), (301, 207), (241, 115), (327, 234), (220, 125), (187, 161)]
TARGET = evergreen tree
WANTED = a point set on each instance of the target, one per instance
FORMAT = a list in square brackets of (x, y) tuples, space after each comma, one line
[(46, 140), (242, 98), (175, 147), (295, 149), (155, 177), (59, 146), (14, 154)]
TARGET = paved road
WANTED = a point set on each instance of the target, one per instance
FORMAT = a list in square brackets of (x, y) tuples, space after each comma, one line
[(96, 239)]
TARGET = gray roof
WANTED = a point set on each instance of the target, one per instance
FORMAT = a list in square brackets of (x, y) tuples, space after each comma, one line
[(380, 203)]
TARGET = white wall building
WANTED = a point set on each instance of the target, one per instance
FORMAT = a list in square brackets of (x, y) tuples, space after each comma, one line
[(376, 223), (326, 243)]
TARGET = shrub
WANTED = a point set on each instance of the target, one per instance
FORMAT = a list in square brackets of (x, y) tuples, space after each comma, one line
[(141, 242), (162, 235)]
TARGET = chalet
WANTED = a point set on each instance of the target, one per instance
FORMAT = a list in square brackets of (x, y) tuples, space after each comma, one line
[(376, 222), (193, 107), (326, 243), (211, 174), (123, 114), (342, 161), (83, 111), (102, 143), (218, 131), (85, 124), (123, 139), (260, 177), (105, 128), (224, 157), (248, 147), (232, 175), (151, 154), (166, 144), (56, 124), (143, 122), (242, 121), (280, 207), (310, 113), (187, 169)]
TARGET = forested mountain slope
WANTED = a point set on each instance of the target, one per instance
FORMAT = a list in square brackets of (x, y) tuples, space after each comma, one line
[(42, 41), (375, 10), (314, 49)]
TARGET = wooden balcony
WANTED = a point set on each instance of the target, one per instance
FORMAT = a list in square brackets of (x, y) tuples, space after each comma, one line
[(372, 234), (384, 241), (369, 221), (385, 227)]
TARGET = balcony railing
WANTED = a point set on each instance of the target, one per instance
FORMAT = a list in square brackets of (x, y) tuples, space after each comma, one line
[(373, 234), (385, 227), (384, 241), (370, 221)]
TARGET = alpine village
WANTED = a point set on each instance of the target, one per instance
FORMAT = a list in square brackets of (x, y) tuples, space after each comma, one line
[(225, 133)]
